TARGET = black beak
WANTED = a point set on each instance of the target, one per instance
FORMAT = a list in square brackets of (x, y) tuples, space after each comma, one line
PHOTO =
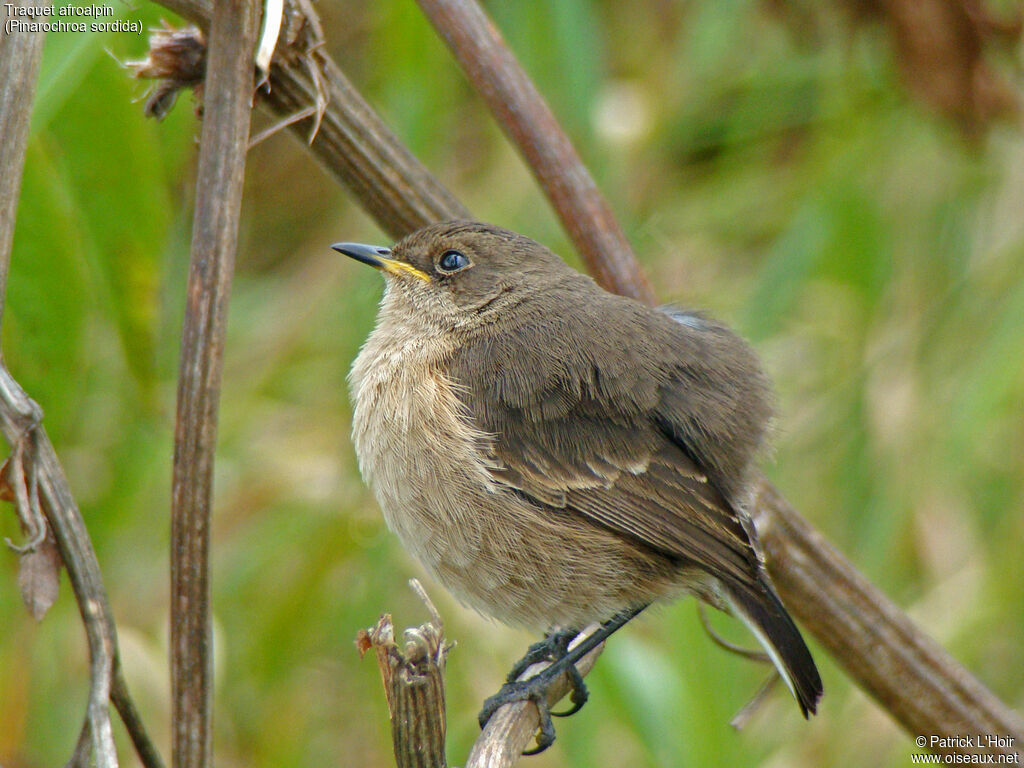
[(368, 254), (380, 258)]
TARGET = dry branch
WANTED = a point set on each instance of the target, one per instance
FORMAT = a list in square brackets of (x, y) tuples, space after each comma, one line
[(225, 135), (906, 671), (20, 423), (509, 731), (401, 195)]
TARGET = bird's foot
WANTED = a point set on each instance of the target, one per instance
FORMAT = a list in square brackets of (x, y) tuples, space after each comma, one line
[(554, 648), (535, 689)]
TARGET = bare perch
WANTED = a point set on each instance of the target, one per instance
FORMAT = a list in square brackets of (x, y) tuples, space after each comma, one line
[(512, 727), (351, 140), (396, 195), (18, 416), (413, 678), (225, 135)]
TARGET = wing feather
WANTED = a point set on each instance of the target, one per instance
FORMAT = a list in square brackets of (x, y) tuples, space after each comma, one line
[(616, 434)]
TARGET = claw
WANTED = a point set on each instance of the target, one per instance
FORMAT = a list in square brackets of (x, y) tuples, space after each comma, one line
[(534, 689), (578, 696), (545, 729)]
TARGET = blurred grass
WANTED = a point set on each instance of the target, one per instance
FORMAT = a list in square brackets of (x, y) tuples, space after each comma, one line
[(781, 180)]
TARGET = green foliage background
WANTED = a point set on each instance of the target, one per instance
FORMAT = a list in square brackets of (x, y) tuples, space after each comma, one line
[(777, 175)]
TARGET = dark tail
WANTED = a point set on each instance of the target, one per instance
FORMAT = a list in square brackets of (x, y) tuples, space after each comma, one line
[(763, 613)]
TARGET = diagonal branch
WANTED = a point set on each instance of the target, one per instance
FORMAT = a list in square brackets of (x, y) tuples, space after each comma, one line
[(908, 673), (225, 136)]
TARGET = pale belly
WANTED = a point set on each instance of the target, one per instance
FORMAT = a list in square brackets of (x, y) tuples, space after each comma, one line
[(497, 553)]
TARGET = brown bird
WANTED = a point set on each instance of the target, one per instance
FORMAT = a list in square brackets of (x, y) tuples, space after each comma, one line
[(557, 455)]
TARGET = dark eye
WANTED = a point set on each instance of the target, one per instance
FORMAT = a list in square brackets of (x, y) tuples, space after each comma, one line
[(452, 261)]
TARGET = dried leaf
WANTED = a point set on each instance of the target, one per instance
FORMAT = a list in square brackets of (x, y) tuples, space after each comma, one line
[(39, 577), (363, 642), (6, 491)]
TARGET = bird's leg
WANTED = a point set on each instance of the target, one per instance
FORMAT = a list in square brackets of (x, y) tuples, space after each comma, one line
[(554, 646), (535, 688)]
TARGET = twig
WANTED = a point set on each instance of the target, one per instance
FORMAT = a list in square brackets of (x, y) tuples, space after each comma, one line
[(740, 719), (413, 679), (19, 421), (26, 493), (19, 417), (725, 645), (280, 125), (355, 144), (525, 117), (19, 414), (225, 134), (144, 747), (403, 196)]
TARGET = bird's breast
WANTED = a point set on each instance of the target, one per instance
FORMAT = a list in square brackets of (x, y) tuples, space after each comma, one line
[(417, 449)]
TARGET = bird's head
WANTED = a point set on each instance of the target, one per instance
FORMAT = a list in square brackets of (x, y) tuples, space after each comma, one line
[(459, 273)]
